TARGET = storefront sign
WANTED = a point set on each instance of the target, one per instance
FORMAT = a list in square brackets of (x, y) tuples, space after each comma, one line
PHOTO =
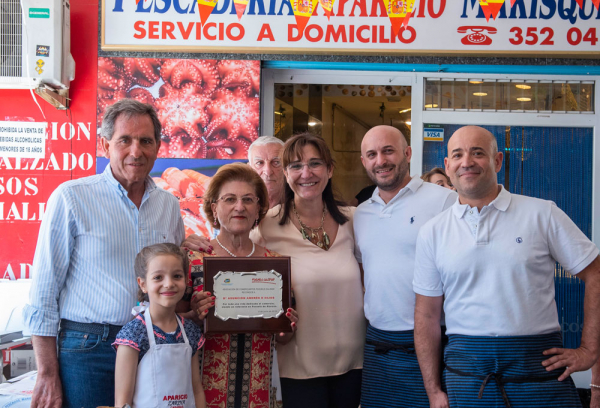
[(22, 139), (530, 27)]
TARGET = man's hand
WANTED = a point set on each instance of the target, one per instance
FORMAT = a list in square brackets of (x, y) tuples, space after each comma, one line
[(439, 400), (47, 392), (587, 354), (198, 243), (201, 302), (574, 360)]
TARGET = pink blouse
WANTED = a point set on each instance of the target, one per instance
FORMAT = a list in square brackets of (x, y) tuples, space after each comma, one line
[(329, 299)]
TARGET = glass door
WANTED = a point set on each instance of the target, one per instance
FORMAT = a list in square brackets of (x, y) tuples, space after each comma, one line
[(340, 109)]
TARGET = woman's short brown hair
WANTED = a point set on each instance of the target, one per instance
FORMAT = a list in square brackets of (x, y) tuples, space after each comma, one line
[(235, 172), (435, 170)]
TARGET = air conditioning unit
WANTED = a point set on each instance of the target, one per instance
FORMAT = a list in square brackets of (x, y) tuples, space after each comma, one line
[(35, 51)]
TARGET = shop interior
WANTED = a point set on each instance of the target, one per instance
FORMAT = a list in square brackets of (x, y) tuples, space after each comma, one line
[(341, 114)]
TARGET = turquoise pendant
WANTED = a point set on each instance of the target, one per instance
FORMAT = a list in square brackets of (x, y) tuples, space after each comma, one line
[(304, 234), (326, 240)]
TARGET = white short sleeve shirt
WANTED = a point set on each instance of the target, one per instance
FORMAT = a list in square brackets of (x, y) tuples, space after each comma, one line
[(386, 237), (496, 267)]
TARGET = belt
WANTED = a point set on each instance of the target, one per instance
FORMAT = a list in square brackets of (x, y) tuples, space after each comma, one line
[(382, 347), (105, 330), (500, 381)]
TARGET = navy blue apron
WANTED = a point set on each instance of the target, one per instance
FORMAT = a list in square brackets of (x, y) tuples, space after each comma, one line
[(505, 372)]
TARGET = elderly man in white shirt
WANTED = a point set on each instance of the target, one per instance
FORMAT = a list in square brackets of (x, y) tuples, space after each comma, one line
[(489, 262), (385, 231)]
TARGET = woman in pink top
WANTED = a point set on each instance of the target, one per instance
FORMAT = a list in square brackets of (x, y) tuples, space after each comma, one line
[(321, 366)]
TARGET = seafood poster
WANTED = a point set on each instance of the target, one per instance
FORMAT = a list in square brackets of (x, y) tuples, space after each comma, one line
[(208, 109)]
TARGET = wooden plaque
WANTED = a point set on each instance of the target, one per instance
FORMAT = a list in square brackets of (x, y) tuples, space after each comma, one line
[(233, 270)]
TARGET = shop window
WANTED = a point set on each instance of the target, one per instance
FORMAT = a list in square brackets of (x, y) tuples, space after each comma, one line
[(509, 96)]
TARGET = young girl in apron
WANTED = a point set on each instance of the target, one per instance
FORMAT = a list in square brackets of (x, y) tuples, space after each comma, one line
[(157, 360)]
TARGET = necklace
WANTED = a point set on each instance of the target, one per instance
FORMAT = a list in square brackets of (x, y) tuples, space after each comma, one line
[(231, 253), (321, 241)]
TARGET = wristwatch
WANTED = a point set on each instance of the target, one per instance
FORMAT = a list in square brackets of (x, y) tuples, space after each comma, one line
[(126, 406)]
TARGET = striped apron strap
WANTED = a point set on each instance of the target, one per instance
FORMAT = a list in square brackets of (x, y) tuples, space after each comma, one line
[(500, 381), (382, 347)]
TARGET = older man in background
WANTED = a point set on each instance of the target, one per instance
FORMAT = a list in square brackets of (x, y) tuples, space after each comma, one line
[(489, 263), (264, 156), (84, 285)]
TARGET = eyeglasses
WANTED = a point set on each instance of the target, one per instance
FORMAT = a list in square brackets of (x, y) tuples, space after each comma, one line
[(314, 164), (232, 200)]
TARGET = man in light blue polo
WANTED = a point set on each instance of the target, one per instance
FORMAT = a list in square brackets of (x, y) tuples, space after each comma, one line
[(83, 281), (489, 261), (385, 231)]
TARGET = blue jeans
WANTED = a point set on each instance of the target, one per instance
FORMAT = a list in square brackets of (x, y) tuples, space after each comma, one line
[(87, 369)]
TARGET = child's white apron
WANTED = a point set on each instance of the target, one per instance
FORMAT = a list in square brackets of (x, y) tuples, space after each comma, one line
[(164, 376)]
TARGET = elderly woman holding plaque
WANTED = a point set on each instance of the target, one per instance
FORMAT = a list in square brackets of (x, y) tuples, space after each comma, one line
[(321, 366), (236, 369)]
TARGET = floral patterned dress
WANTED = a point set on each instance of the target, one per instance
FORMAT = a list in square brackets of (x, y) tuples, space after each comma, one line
[(236, 368)]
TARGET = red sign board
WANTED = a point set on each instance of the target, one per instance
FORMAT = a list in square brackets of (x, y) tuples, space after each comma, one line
[(26, 184)]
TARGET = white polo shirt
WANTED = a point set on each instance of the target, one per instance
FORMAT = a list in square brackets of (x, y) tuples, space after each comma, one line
[(386, 237), (496, 267)]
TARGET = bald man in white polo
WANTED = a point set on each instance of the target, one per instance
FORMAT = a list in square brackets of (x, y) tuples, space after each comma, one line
[(489, 261), (385, 231)]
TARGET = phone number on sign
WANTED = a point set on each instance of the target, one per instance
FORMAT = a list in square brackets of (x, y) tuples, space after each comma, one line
[(545, 36)]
